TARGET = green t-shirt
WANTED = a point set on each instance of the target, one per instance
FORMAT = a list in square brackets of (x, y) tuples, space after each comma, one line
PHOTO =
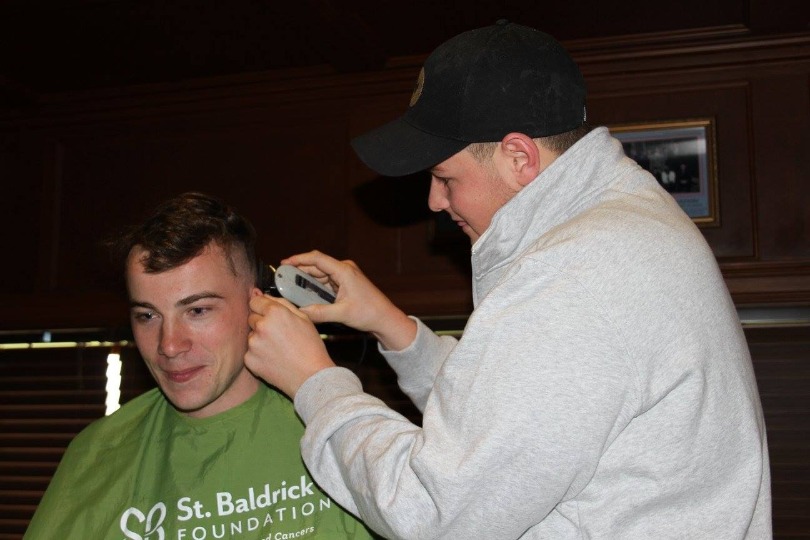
[(148, 472)]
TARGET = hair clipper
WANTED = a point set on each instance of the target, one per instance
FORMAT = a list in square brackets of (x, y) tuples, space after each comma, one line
[(298, 287)]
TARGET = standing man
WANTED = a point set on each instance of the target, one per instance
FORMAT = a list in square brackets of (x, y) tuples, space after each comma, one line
[(213, 452), (589, 397)]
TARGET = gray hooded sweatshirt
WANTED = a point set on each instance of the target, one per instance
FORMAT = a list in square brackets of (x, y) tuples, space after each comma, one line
[(602, 387)]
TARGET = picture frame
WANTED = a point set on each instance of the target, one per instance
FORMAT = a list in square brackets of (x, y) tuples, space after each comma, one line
[(681, 155)]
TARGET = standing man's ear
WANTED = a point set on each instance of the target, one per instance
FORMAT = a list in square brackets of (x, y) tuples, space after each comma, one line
[(517, 160), (522, 159)]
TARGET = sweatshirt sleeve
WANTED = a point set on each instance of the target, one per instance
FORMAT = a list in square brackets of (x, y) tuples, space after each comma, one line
[(522, 409), (418, 364)]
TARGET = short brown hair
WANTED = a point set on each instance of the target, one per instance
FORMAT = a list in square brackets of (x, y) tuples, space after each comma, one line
[(556, 143), (180, 228), (562, 142)]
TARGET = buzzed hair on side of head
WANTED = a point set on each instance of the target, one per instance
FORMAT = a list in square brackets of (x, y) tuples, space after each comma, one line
[(558, 144)]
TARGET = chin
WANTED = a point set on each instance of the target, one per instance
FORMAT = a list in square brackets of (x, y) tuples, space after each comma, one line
[(185, 404)]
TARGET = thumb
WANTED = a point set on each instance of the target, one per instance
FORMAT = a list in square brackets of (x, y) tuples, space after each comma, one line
[(317, 313)]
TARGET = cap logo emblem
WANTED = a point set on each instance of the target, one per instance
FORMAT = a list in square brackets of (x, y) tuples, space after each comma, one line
[(417, 92)]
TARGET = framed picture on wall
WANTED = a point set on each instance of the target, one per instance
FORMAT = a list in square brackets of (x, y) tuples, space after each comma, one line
[(681, 156)]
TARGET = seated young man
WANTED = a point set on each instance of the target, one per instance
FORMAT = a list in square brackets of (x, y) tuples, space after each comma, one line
[(213, 452)]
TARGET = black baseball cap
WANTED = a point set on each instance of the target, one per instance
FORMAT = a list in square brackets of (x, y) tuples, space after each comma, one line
[(477, 87)]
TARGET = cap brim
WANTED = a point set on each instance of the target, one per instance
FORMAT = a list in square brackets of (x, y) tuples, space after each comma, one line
[(399, 149)]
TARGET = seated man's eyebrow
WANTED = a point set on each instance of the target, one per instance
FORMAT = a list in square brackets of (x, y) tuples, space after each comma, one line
[(199, 296), (182, 302)]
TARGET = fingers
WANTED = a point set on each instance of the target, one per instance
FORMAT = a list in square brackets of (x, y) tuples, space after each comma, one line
[(284, 347), (309, 260), (318, 264), (357, 299), (321, 313), (261, 306)]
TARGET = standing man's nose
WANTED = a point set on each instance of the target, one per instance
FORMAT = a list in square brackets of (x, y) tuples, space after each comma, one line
[(437, 198)]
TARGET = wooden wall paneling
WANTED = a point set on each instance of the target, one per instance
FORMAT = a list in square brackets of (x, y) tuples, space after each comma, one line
[(290, 132), (781, 130), (21, 182), (116, 162), (781, 358), (763, 284), (780, 127), (375, 217), (111, 175), (779, 15), (53, 154)]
